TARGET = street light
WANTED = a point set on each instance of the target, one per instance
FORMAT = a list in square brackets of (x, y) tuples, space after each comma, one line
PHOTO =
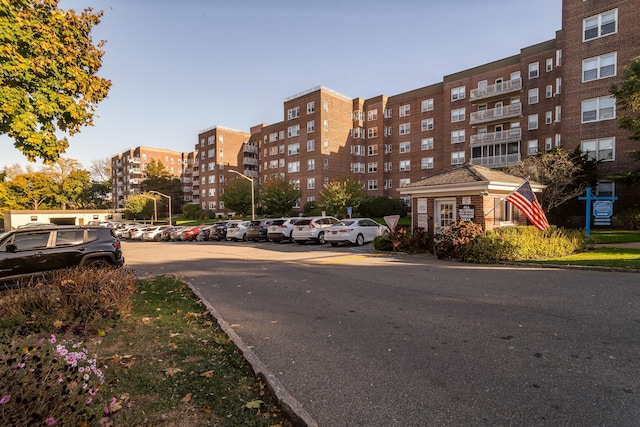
[(253, 200), (155, 207), (168, 197)]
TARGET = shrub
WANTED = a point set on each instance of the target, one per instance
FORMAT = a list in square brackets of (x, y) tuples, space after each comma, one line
[(523, 243), (80, 300), (401, 240), (455, 237), (190, 210), (631, 218), (49, 383)]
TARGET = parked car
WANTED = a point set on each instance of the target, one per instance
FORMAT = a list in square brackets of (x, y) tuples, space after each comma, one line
[(154, 233), (280, 229), (219, 231), (237, 230), (176, 233), (257, 230), (203, 233), (38, 250), (136, 233), (312, 229), (166, 233), (355, 230), (190, 233)]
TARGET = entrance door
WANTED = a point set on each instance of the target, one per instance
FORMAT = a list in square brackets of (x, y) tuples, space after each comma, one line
[(445, 213)]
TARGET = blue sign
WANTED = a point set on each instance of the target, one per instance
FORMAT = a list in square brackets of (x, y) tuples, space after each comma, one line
[(603, 209)]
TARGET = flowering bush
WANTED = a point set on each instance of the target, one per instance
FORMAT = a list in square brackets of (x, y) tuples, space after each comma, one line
[(401, 240), (49, 383), (455, 237)]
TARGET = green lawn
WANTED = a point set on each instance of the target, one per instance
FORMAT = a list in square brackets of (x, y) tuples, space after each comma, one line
[(601, 257), (615, 236)]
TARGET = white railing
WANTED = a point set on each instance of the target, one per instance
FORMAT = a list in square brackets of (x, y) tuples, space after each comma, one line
[(510, 135), (498, 113), (250, 148), (497, 89), (250, 161), (497, 161)]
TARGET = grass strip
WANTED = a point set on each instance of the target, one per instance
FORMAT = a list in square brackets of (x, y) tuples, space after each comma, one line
[(172, 365), (621, 258)]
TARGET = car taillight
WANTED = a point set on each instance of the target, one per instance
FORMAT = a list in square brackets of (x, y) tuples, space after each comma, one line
[(345, 230), (116, 245), (311, 225)]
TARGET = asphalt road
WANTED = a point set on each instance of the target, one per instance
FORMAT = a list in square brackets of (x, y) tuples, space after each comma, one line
[(365, 339)]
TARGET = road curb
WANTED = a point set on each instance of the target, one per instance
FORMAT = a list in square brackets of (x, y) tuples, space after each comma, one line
[(294, 411)]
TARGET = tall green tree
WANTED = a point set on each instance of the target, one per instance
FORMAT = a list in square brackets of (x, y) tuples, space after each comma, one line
[(138, 207), (36, 190), (158, 178), (628, 113), (49, 83), (280, 196), (342, 193), (237, 195)]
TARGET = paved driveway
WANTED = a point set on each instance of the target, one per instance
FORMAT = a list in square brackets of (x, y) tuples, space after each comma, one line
[(363, 339)]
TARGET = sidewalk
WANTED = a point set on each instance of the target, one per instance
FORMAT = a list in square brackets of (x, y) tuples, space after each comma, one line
[(628, 245)]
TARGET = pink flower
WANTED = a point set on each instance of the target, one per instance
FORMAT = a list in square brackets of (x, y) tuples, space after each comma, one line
[(40, 341), (50, 421), (5, 399), (106, 410), (53, 340), (89, 400)]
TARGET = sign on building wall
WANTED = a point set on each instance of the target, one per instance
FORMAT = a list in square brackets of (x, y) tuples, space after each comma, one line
[(467, 212), (422, 206)]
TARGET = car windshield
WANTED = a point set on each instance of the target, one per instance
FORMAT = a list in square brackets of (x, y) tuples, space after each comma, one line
[(345, 222), (303, 222)]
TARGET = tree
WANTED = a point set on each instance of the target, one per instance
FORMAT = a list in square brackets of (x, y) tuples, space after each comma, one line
[(138, 207), (237, 195), (157, 178), (381, 206), (628, 99), (71, 180), (49, 82), (280, 196), (565, 174), (100, 170), (342, 193), (32, 191)]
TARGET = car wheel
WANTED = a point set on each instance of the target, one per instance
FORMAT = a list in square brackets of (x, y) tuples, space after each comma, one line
[(97, 263), (360, 240), (321, 238), (334, 244), (244, 238), (157, 237)]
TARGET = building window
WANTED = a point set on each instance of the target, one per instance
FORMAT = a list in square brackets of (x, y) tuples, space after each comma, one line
[(548, 91), (532, 147), (405, 147), (325, 164), (457, 136), (212, 205), (548, 143), (549, 64), (388, 183), (311, 126), (427, 105), (597, 109), (599, 67), (311, 183), (372, 150), (457, 157), (325, 145), (548, 117), (211, 152), (426, 163), (358, 133), (534, 70), (325, 105), (311, 145), (372, 132), (293, 131), (293, 167), (372, 184), (311, 107), (372, 115), (533, 96), (372, 167), (405, 129), (605, 189), (211, 140), (458, 93), (426, 144), (600, 25), (293, 149), (388, 148), (457, 115), (357, 167), (311, 164), (404, 182), (357, 115), (358, 150), (273, 137), (211, 179), (405, 110), (533, 122), (388, 166), (599, 149), (293, 113), (212, 192), (426, 124), (211, 166), (388, 131), (405, 165)]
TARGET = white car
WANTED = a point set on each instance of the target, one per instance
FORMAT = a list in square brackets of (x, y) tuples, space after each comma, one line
[(311, 229), (237, 230), (154, 233), (355, 230), (281, 229)]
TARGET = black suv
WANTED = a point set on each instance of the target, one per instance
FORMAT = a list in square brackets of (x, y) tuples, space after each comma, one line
[(32, 251)]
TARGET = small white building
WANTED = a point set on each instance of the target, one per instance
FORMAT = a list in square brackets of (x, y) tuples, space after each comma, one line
[(15, 218)]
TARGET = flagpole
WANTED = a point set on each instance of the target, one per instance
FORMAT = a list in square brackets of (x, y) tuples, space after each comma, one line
[(502, 199)]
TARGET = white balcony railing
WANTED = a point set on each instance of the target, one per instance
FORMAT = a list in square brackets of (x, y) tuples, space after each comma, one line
[(497, 161), (250, 161), (511, 135), (496, 89), (250, 148), (498, 113)]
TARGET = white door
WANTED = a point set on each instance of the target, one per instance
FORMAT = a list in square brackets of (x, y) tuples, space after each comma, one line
[(445, 213)]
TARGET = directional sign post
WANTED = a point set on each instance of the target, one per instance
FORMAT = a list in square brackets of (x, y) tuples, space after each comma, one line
[(602, 208)]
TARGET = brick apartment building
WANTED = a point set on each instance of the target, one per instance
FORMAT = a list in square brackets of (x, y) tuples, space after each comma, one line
[(552, 94)]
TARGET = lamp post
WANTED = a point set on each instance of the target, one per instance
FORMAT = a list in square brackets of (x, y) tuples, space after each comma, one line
[(155, 207), (168, 197), (253, 200)]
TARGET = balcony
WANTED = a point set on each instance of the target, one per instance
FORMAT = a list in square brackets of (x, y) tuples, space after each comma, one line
[(135, 171), (250, 148), (498, 113), (497, 89), (250, 161), (511, 135), (497, 161), (135, 181), (250, 173), (134, 160)]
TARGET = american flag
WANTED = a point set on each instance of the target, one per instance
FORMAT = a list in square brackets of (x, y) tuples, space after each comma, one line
[(524, 199)]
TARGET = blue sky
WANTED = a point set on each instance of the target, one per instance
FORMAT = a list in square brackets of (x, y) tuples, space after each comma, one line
[(182, 66)]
